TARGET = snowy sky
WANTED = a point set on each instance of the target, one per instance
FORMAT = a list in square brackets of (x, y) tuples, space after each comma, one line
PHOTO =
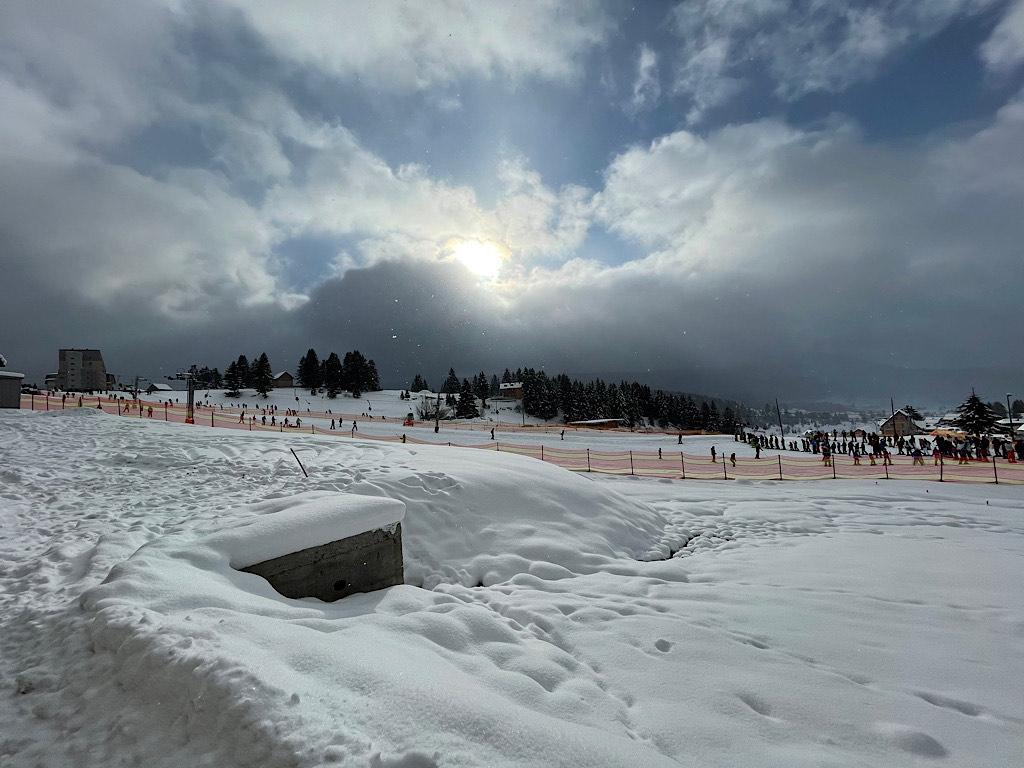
[(759, 196)]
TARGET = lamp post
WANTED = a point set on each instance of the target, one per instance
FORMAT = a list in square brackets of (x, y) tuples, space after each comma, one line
[(190, 413)]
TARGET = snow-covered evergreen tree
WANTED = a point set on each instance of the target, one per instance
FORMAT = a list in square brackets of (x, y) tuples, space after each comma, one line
[(974, 416), (262, 375)]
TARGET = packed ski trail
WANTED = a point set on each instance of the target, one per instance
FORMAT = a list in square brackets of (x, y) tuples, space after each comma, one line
[(548, 618)]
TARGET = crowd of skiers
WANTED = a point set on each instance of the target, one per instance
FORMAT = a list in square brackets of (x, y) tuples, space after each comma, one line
[(858, 443)]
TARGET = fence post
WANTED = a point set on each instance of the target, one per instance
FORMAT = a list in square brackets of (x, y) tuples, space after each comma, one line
[(211, 418), (165, 412), (942, 463), (33, 401), (994, 469), (588, 460), (833, 457), (312, 428), (542, 451), (780, 466), (497, 446), (885, 465), (725, 472), (682, 463), (631, 471)]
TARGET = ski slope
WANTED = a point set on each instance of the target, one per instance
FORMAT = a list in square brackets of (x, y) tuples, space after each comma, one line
[(548, 618)]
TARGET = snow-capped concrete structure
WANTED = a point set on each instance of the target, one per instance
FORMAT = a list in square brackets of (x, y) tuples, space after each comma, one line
[(360, 547)]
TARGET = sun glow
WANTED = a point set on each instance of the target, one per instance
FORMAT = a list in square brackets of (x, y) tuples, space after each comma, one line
[(481, 257)]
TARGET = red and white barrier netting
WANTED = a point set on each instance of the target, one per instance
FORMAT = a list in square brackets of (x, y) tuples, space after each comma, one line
[(666, 464)]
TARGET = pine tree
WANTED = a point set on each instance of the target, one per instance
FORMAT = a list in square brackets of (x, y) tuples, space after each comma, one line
[(419, 384), (451, 384), (244, 374), (975, 417), (912, 412), (372, 377), (713, 424), (506, 377), (262, 375), (332, 381), (728, 421), (495, 388), (310, 373), (232, 381), (481, 387), (466, 408)]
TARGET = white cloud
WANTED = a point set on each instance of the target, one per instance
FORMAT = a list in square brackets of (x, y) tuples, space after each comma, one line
[(646, 85), (1004, 50), (803, 46), (348, 191), (395, 44), (536, 222), (660, 193)]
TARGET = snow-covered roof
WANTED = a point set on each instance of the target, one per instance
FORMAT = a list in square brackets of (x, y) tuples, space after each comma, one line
[(282, 373), (161, 387), (11, 375), (511, 385), (887, 419)]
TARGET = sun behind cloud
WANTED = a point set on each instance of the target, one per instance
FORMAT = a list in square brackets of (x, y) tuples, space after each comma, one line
[(483, 258)]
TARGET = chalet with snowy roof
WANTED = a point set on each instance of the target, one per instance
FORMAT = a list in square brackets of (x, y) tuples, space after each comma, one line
[(512, 390), (158, 387), (900, 425), (283, 380)]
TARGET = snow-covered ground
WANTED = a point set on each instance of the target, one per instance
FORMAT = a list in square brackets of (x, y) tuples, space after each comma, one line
[(387, 404), (548, 619)]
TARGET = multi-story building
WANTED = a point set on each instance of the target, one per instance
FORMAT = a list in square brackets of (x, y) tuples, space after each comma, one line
[(81, 370)]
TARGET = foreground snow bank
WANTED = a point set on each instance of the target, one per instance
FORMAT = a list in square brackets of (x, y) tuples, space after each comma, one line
[(799, 624), (191, 633)]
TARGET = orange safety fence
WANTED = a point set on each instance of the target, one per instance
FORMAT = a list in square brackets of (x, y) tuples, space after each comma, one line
[(663, 464)]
